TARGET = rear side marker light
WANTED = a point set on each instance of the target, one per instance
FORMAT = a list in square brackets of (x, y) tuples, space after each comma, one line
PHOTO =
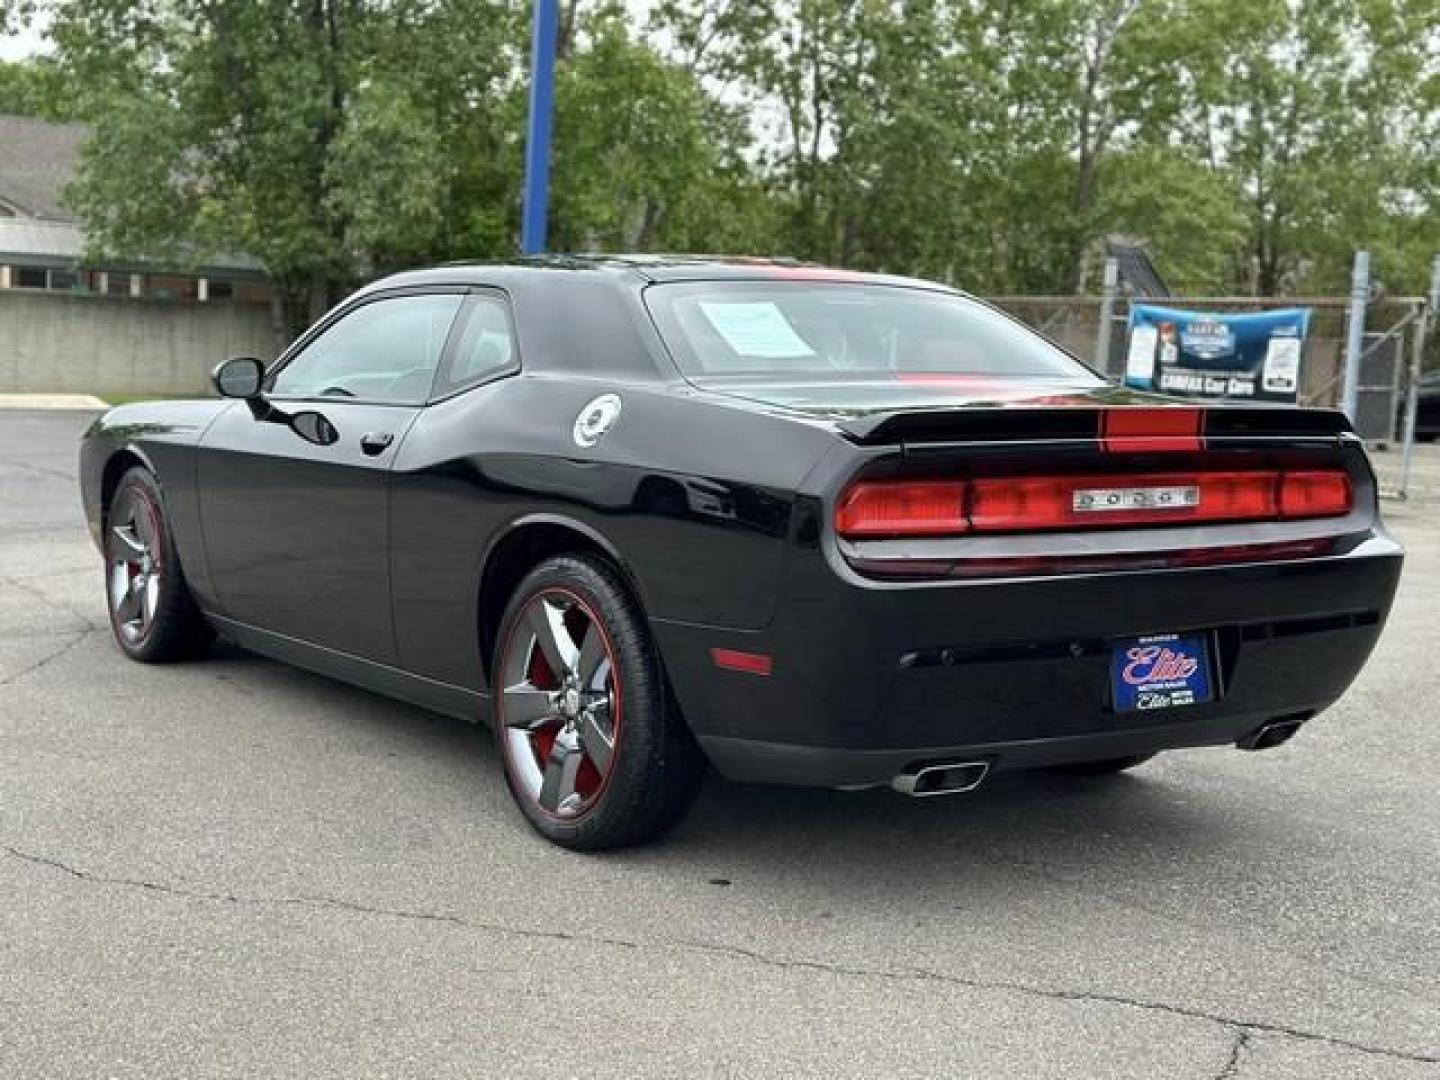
[(904, 508), (748, 662)]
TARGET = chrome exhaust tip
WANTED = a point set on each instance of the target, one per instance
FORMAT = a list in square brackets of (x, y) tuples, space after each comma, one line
[(1268, 736), (944, 778)]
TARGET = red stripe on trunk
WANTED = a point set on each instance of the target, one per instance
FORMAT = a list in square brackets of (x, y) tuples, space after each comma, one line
[(1140, 431)]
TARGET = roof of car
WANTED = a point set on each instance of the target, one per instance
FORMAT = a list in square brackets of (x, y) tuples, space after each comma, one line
[(646, 268)]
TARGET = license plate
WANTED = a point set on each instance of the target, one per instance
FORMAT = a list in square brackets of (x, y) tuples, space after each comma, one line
[(1162, 671)]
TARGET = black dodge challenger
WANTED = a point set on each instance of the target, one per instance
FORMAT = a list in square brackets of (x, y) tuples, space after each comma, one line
[(811, 527)]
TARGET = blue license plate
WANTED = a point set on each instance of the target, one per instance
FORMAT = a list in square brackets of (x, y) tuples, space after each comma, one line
[(1162, 671)]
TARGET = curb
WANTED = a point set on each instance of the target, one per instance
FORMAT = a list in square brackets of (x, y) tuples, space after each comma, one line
[(52, 401)]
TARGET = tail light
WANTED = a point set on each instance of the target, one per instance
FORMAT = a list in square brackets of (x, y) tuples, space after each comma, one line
[(905, 508), (1323, 493), (901, 508)]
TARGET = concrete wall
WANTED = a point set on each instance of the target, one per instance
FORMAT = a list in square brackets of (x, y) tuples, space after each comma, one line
[(115, 345)]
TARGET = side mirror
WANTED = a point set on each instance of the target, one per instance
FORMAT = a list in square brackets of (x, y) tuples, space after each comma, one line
[(239, 378)]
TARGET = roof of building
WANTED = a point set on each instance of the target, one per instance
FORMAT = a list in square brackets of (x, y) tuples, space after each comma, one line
[(61, 240), (37, 160), (62, 243)]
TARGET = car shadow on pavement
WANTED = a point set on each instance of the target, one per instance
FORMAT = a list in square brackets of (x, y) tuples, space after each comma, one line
[(1045, 820)]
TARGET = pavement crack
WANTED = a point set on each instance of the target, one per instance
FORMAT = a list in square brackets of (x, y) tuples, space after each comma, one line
[(1244, 1029), (1237, 1052), (30, 466), (79, 616), (322, 902), (49, 658)]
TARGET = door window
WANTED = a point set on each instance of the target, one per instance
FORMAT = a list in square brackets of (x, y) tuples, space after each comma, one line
[(385, 351)]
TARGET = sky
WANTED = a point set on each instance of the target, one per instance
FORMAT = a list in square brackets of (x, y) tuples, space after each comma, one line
[(20, 45)]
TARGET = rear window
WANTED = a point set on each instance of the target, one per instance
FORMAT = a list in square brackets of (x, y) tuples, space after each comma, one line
[(793, 328)]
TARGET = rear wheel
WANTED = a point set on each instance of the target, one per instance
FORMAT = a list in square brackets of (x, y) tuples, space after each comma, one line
[(595, 751), (1103, 768), (152, 613)]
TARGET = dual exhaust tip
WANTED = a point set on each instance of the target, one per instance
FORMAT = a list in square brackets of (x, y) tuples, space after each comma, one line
[(1270, 735), (958, 777), (944, 778)]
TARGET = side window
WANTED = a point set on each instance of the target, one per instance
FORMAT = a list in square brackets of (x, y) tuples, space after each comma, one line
[(485, 348), (384, 351)]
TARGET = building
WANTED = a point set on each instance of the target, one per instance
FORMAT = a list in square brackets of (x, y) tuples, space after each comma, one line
[(69, 324), (42, 244)]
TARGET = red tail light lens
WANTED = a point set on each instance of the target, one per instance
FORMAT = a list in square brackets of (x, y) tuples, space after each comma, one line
[(1315, 494), (903, 508), (1051, 503), (1086, 502)]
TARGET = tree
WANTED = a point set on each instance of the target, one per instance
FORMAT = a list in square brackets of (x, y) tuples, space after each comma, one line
[(1311, 108), (35, 87), (330, 139), (1251, 143), (644, 160)]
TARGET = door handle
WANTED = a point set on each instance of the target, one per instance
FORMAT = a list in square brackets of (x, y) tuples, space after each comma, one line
[(375, 442)]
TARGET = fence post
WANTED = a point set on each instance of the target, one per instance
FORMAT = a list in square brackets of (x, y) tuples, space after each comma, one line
[(1107, 315), (1417, 358), (1355, 335)]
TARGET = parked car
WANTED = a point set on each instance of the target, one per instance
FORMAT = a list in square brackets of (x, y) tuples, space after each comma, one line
[(810, 527)]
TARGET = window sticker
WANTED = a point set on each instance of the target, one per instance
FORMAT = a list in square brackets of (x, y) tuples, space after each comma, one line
[(1140, 362), (755, 329), (1282, 366)]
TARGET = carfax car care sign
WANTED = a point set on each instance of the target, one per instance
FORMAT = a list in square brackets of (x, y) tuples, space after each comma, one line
[(1217, 355)]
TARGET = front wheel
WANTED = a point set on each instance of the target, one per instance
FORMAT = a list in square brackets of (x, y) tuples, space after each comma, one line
[(152, 613), (596, 753)]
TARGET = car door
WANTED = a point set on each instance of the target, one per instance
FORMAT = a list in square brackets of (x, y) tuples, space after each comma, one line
[(293, 488)]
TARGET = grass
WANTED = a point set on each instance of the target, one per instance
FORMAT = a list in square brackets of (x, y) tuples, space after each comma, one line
[(130, 399)]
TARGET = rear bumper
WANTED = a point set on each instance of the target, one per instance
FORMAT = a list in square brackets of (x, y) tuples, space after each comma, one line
[(871, 677)]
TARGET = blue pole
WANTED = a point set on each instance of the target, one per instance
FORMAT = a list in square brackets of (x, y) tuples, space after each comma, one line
[(535, 206)]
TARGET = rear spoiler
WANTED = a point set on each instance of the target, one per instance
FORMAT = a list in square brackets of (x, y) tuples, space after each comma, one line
[(1123, 428)]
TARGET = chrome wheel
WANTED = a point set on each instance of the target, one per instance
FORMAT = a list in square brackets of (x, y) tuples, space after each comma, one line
[(559, 704), (136, 564)]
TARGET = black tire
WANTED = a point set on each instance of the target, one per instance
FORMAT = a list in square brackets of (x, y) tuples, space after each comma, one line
[(614, 764), (1103, 768), (152, 614)]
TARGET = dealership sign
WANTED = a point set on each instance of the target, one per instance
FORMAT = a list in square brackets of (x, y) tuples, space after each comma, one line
[(1214, 355)]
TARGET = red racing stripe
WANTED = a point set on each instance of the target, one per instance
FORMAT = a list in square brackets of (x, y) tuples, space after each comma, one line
[(1139, 431)]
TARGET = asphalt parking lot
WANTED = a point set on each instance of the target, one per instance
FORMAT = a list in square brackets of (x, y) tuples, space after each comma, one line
[(230, 868)]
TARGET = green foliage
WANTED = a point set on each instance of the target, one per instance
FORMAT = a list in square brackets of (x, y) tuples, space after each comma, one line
[(35, 88), (1252, 144)]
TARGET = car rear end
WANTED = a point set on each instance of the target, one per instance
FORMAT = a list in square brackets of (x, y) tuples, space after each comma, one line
[(1031, 576)]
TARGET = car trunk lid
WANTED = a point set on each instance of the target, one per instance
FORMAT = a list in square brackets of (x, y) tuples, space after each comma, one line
[(916, 410)]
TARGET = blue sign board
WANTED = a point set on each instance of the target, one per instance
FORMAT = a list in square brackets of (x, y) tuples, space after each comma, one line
[(1217, 355)]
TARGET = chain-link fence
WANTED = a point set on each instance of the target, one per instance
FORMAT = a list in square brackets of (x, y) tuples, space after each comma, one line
[(1396, 345)]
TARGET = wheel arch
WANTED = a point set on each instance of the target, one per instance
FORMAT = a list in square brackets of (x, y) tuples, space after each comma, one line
[(522, 546), (117, 465)]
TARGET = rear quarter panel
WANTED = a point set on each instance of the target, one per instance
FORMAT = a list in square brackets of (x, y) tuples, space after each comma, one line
[(694, 499)]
